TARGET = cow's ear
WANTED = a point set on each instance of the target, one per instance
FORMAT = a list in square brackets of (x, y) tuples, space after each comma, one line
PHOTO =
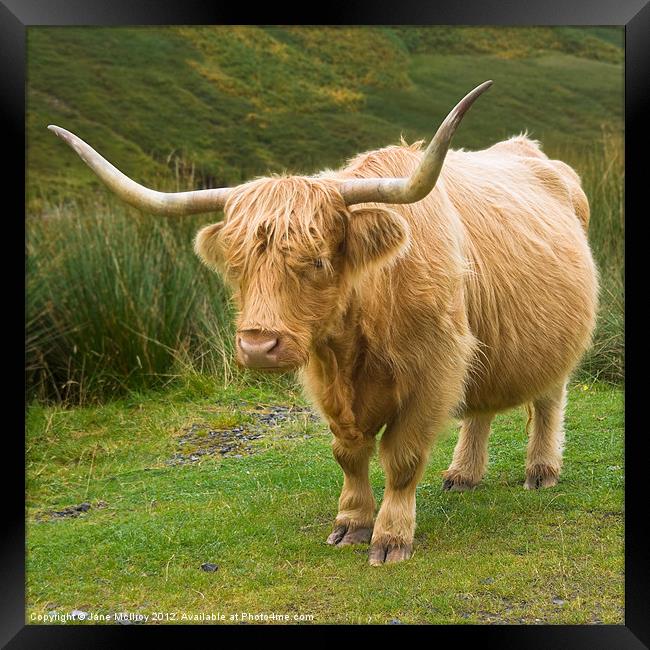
[(208, 247), (375, 236)]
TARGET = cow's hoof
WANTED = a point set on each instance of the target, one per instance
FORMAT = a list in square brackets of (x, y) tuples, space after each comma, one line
[(343, 536), (389, 553), (541, 476), (536, 482), (449, 485)]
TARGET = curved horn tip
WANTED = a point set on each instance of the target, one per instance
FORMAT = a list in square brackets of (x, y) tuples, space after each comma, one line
[(461, 108), (486, 85), (481, 88), (73, 141), (58, 131)]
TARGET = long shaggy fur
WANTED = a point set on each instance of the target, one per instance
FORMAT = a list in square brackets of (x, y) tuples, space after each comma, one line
[(478, 298)]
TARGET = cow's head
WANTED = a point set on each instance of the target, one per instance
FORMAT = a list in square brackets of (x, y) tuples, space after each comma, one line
[(292, 247)]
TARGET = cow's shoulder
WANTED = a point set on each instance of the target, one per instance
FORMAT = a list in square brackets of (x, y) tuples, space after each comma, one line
[(519, 145)]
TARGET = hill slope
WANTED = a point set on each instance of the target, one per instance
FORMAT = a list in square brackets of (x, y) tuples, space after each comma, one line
[(217, 105)]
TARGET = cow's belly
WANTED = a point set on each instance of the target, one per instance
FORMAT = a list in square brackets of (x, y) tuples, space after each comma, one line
[(530, 344)]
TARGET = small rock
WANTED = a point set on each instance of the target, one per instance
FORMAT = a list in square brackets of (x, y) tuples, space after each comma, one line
[(395, 621), (557, 601), (208, 566), (487, 581), (77, 613), (72, 511)]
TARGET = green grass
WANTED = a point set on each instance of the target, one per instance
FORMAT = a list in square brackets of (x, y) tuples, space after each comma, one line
[(496, 554), (603, 174), (117, 300)]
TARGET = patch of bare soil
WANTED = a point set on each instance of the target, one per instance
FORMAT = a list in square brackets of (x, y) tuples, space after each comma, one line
[(199, 440), (70, 511)]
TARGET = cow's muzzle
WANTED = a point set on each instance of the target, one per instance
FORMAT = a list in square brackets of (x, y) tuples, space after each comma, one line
[(265, 350)]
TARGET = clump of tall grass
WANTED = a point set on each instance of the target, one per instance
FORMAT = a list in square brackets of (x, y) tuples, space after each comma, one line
[(117, 299)]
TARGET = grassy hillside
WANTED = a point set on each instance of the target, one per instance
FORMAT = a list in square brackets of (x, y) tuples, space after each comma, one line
[(216, 105)]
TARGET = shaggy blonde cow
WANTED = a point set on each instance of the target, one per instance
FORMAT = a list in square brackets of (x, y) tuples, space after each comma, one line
[(407, 291)]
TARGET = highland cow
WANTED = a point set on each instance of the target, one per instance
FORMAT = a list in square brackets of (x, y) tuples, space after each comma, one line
[(406, 292)]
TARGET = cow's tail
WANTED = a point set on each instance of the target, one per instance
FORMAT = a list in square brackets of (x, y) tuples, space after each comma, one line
[(581, 206), (530, 410), (579, 199)]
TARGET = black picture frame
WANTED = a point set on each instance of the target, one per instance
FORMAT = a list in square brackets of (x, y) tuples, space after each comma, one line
[(634, 15)]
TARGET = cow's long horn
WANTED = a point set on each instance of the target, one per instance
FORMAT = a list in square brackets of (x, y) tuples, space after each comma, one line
[(165, 203), (423, 179)]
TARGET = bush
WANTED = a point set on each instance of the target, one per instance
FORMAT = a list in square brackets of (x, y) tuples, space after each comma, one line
[(118, 299)]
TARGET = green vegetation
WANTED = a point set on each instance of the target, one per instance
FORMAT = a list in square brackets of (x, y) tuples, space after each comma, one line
[(118, 300), (602, 175), (498, 554)]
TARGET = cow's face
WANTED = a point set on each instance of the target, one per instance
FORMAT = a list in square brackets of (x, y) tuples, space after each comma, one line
[(293, 252)]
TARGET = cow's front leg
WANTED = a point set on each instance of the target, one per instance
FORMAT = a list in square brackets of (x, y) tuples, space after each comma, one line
[(353, 524), (404, 450)]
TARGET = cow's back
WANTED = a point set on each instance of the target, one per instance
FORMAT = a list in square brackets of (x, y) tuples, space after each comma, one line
[(532, 286), (513, 224)]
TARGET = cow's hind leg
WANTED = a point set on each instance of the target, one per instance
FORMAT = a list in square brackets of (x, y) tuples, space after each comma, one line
[(470, 455), (546, 440), (354, 521)]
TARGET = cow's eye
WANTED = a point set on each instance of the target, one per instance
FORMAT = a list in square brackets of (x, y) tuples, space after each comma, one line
[(318, 263)]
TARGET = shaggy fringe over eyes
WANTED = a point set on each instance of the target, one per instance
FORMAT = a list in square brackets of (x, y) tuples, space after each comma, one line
[(297, 216)]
